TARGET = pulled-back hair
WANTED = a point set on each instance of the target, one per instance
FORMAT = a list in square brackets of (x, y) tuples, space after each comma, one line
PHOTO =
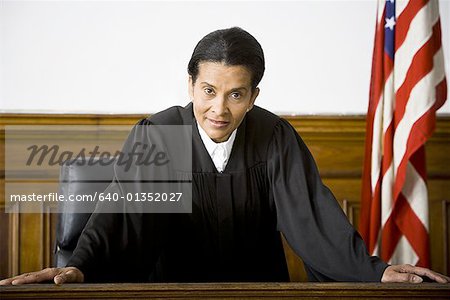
[(233, 46)]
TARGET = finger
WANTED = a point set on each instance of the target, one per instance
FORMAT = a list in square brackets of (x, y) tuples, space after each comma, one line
[(6, 281), (427, 272), (434, 276), (34, 277), (405, 277), (71, 275)]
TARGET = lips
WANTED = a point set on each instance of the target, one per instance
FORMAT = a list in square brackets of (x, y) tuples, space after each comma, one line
[(218, 123)]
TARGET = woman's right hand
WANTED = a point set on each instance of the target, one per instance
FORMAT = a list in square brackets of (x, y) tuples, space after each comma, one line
[(58, 275)]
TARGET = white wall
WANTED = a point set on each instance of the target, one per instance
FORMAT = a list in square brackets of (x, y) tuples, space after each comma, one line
[(131, 56)]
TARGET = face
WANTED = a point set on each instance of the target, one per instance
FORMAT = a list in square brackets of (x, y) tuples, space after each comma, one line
[(221, 96)]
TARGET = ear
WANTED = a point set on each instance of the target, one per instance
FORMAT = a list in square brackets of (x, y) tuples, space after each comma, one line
[(191, 88), (253, 99)]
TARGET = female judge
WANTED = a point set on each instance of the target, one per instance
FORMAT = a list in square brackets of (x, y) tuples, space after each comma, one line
[(252, 178)]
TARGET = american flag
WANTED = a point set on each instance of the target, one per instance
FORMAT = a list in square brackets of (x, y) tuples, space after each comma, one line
[(407, 87)]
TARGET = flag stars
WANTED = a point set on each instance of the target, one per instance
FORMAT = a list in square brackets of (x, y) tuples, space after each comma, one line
[(390, 23)]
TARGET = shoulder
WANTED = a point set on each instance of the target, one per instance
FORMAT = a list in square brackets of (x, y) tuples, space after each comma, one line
[(259, 115), (271, 129), (175, 115), (261, 121), (266, 123), (261, 127)]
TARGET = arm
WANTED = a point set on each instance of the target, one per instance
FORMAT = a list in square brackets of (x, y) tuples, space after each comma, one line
[(114, 245), (311, 219), (314, 224)]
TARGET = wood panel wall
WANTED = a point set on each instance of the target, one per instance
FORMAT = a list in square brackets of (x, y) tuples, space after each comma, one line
[(337, 143)]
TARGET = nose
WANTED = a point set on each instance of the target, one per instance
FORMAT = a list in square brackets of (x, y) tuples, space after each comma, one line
[(219, 105)]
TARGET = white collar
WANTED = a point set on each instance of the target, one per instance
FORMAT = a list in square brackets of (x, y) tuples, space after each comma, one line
[(211, 146)]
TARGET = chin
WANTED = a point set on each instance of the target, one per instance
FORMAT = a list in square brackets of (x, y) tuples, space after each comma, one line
[(219, 138), (216, 135)]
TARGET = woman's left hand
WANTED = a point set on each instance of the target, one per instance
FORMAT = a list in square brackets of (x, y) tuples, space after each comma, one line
[(409, 273)]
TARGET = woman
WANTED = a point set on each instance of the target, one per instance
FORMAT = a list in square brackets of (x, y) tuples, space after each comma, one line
[(252, 177)]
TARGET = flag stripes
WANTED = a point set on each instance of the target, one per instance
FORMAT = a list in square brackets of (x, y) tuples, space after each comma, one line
[(407, 87)]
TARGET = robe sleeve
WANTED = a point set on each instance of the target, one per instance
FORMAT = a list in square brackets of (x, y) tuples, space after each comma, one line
[(117, 245), (310, 218)]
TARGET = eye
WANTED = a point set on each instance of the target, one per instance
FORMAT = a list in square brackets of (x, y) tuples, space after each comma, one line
[(208, 91), (235, 95)]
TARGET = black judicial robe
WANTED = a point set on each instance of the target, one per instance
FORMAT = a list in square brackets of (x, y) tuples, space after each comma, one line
[(270, 185)]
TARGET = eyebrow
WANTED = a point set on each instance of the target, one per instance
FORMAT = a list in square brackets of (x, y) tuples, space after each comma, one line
[(207, 83), (235, 89)]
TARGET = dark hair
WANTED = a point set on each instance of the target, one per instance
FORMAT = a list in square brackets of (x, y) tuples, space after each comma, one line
[(233, 46)]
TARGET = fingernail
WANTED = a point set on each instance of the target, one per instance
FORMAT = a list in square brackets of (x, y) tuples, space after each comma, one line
[(417, 279), (14, 282)]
